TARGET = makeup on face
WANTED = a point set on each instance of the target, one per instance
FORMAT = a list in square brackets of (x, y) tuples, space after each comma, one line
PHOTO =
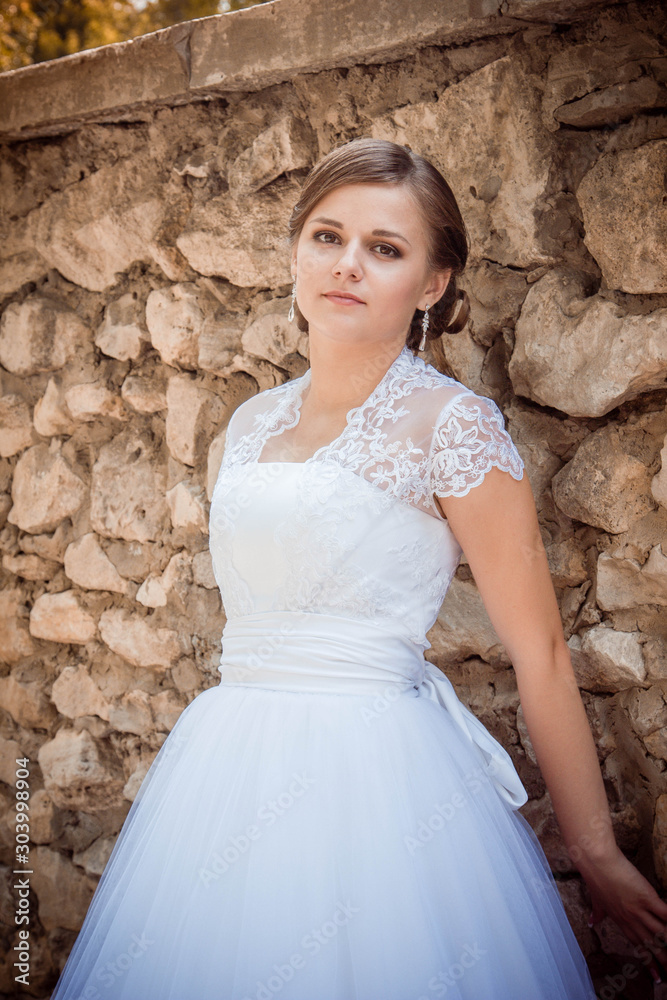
[(362, 260)]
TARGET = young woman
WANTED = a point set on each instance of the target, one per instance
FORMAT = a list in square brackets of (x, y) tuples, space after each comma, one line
[(330, 822)]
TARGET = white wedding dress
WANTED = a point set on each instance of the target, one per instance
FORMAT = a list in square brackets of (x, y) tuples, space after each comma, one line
[(330, 822)]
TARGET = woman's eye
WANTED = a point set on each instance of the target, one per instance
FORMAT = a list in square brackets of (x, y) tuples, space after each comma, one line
[(384, 248), (393, 252)]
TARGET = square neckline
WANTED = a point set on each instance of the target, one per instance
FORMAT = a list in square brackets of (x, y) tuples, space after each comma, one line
[(295, 399)]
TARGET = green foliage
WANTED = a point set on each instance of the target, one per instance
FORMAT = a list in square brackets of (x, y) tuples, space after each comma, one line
[(34, 30)]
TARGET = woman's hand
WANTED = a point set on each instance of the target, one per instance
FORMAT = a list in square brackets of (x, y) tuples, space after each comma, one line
[(496, 525), (618, 890)]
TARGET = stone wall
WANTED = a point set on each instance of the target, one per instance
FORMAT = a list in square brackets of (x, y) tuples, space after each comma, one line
[(145, 288)]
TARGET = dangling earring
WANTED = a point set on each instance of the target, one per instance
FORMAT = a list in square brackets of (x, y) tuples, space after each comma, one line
[(424, 329), (290, 314)]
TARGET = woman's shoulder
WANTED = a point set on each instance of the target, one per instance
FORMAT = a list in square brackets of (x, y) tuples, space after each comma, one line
[(469, 437), (265, 400), (437, 393), (255, 413)]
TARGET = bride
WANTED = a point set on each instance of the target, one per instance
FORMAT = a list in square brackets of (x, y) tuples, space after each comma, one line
[(330, 822)]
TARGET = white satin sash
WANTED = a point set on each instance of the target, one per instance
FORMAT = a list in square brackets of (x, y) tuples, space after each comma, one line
[(322, 653)]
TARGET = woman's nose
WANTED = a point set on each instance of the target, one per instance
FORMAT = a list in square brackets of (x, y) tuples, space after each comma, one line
[(348, 263)]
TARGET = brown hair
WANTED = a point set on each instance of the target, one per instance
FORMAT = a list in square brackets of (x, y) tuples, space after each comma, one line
[(374, 161)]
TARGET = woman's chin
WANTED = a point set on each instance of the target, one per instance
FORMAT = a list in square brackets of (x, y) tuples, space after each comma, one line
[(338, 328)]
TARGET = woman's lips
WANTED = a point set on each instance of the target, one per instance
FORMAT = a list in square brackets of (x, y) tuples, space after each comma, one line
[(342, 299)]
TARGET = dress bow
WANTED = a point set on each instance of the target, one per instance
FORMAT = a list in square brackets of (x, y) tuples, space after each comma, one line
[(496, 762)]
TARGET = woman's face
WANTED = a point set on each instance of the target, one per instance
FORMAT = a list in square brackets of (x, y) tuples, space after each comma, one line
[(368, 241)]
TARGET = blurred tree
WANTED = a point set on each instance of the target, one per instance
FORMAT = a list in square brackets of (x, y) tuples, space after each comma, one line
[(34, 30), (162, 13), (18, 27), (227, 5)]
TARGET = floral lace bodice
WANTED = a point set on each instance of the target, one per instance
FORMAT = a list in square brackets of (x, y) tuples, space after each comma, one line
[(354, 529)]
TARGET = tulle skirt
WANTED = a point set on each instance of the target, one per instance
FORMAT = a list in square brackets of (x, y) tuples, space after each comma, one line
[(319, 846)]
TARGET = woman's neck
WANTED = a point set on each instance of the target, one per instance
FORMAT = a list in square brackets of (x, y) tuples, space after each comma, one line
[(343, 378)]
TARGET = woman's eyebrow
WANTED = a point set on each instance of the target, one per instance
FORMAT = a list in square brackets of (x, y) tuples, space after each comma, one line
[(376, 232), (388, 232)]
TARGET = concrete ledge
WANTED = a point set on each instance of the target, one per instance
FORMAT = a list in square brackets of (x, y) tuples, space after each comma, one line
[(54, 96), (245, 51), (278, 40)]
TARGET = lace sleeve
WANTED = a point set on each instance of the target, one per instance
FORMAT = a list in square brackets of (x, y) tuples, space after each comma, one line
[(231, 434), (469, 438), (241, 425)]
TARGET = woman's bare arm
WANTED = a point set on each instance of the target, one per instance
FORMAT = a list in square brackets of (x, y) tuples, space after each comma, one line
[(497, 527)]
